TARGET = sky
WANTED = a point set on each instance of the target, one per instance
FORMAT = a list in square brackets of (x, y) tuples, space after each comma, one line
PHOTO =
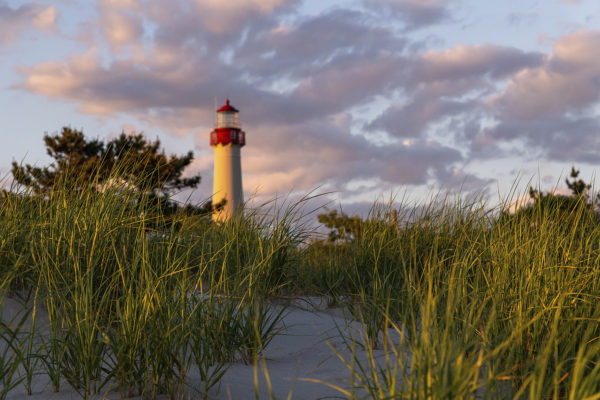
[(361, 99)]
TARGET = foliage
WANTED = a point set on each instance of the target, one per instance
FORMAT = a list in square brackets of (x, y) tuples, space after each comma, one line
[(550, 207), (343, 228), (128, 307), (462, 303), (90, 163), (579, 194), (466, 305)]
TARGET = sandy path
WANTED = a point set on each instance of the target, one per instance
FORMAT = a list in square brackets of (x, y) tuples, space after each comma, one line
[(302, 350)]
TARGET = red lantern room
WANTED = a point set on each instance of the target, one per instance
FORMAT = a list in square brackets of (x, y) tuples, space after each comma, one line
[(228, 127)]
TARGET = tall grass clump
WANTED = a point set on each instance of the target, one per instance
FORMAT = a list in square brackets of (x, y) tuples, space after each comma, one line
[(132, 298), (453, 300), (10, 354), (459, 301)]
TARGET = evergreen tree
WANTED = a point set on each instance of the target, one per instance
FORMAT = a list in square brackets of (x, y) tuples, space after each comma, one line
[(131, 159), (80, 162), (561, 208), (579, 194), (343, 228)]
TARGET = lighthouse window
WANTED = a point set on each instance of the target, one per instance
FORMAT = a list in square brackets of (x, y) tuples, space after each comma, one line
[(227, 120)]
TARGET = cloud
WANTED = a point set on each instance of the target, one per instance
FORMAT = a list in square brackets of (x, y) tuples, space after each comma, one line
[(560, 138), (126, 86), (220, 16), (457, 180), (326, 40), (411, 119), (351, 83), (301, 158), (301, 83), (413, 13), (463, 62), (173, 78), (45, 19), (494, 101), (15, 21), (450, 83), (568, 81), (203, 19), (121, 23), (548, 112)]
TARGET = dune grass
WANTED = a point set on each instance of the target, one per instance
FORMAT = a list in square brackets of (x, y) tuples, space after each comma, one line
[(135, 299), (466, 303), (454, 300)]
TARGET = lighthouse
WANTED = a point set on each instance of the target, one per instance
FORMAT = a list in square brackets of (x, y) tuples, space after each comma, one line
[(227, 139)]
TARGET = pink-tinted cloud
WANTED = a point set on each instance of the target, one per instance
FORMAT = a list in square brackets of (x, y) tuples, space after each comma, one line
[(303, 84), (413, 13), (464, 62), (450, 83), (15, 21), (121, 23), (220, 16), (568, 81)]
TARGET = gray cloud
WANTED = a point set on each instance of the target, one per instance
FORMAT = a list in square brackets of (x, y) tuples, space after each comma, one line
[(299, 50), (413, 13), (467, 62), (302, 83), (450, 83), (15, 21), (549, 110), (561, 138), (325, 152), (568, 81), (457, 180), (413, 118)]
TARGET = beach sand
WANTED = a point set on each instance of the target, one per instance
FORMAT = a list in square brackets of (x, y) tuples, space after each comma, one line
[(302, 349)]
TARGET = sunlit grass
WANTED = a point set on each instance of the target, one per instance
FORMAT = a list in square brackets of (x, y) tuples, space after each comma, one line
[(133, 298), (461, 303), (454, 300)]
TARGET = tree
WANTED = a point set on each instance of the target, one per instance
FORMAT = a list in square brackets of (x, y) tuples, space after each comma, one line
[(560, 207), (579, 194), (579, 187), (343, 228), (83, 163), (79, 160)]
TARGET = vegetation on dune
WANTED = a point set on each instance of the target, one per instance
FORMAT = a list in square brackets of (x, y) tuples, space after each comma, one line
[(82, 163), (131, 307), (468, 303), (455, 300)]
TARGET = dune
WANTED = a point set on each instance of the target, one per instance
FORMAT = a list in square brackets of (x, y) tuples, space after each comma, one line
[(302, 351)]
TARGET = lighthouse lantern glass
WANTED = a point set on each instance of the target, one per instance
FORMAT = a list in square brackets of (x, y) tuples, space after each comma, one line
[(227, 119)]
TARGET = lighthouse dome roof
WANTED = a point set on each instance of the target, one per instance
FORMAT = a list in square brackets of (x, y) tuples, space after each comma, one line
[(227, 108)]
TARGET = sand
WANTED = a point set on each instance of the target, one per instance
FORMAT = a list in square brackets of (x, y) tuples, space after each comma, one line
[(303, 349)]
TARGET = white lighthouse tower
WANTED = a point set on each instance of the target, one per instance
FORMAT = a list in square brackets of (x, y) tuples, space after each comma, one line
[(227, 139)]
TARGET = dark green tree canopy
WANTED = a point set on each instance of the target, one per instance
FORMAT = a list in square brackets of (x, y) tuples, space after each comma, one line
[(560, 207), (578, 187), (343, 227), (80, 162), (580, 195)]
